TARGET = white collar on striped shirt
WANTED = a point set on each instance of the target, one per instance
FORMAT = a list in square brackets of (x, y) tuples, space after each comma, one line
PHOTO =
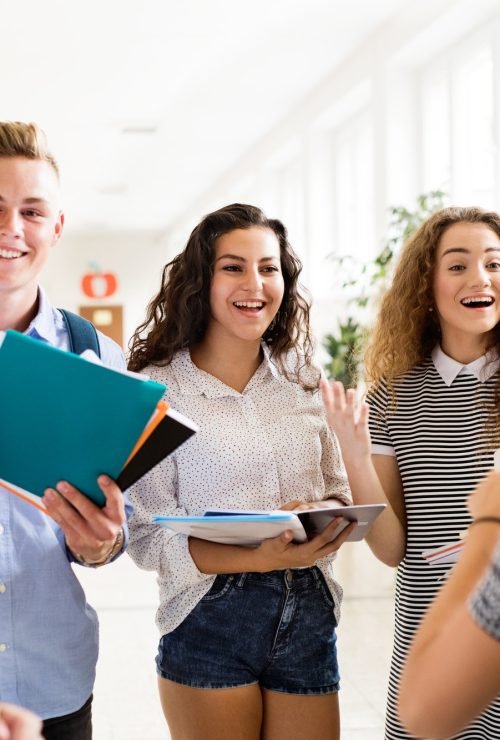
[(448, 368)]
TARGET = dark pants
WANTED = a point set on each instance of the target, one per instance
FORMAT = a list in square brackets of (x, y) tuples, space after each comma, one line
[(74, 726)]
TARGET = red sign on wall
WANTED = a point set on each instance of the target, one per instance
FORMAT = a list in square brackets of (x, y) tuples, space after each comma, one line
[(98, 284)]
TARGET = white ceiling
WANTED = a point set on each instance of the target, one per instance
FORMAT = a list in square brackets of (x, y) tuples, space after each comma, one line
[(146, 102)]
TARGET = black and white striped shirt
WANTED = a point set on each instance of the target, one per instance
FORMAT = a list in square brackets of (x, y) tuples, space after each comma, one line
[(435, 431)]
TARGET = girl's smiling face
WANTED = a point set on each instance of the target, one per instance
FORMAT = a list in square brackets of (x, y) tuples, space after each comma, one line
[(467, 288), (247, 285)]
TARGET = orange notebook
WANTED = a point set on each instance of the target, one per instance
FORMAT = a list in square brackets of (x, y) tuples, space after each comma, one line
[(167, 430), (67, 418)]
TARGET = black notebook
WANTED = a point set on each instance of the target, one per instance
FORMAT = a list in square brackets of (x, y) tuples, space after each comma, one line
[(172, 431)]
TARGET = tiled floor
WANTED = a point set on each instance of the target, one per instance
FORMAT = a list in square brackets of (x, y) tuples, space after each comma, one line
[(126, 706)]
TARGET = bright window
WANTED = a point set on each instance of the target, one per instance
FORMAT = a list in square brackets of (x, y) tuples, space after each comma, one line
[(458, 131), (354, 202)]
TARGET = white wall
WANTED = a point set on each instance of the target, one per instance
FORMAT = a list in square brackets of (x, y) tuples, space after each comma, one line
[(355, 145), (137, 259)]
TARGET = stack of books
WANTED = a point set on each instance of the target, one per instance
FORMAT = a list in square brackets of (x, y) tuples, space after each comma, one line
[(67, 417)]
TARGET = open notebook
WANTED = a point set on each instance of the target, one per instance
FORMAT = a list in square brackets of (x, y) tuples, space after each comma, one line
[(238, 527)]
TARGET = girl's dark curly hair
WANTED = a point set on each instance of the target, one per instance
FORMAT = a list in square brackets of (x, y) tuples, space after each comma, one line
[(178, 315)]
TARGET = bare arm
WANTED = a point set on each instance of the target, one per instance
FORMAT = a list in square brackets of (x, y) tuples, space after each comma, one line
[(453, 669), (373, 479), (387, 537), (272, 554)]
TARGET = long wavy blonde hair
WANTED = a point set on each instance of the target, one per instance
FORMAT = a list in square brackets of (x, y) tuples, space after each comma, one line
[(407, 328)]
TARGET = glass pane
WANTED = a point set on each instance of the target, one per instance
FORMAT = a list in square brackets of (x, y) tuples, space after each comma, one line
[(473, 110), (436, 139)]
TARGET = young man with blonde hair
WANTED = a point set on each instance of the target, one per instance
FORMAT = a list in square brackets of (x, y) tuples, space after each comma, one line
[(48, 633)]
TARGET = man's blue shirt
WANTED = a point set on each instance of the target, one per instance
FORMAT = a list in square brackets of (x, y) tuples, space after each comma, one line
[(48, 632)]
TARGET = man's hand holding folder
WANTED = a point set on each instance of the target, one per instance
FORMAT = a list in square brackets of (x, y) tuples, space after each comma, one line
[(65, 419), (93, 534)]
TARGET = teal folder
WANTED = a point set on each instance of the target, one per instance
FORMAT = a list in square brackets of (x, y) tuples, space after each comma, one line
[(63, 417)]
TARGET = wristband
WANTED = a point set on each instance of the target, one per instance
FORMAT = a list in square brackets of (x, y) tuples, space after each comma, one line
[(490, 519), (108, 557)]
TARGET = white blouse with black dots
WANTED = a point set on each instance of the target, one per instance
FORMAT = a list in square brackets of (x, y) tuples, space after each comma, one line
[(255, 450)]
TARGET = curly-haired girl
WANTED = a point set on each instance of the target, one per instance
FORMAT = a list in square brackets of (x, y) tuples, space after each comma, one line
[(248, 634), (434, 405)]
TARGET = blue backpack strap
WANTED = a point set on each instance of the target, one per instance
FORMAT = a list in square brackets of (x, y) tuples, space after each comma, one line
[(82, 334)]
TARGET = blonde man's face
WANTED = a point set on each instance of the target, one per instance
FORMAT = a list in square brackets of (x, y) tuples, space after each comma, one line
[(31, 221)]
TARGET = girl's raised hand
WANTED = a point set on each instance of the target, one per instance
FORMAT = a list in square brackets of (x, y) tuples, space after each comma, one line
[(347, 417)]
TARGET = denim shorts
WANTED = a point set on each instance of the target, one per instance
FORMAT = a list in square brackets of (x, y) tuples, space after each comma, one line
[(276, 629)]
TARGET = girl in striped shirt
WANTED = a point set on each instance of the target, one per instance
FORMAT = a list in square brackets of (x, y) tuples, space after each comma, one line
[(434, 407)]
